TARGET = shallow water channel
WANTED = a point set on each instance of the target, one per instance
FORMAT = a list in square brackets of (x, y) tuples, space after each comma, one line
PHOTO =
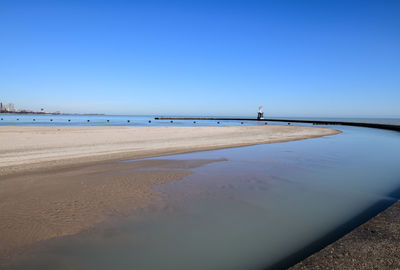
[(261, 205)]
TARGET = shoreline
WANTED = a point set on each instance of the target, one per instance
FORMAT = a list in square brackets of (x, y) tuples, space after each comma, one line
[(357, 244), (52, 204), (60, 181), (33, 149), (372, 245)]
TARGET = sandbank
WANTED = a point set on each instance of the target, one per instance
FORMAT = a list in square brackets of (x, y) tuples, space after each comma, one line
[(31, 148)]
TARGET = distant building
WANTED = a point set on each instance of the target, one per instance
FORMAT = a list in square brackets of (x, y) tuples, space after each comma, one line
[(9, 107), (1, 106)]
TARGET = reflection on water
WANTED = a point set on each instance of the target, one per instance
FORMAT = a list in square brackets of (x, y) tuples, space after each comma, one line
[(262, 204)]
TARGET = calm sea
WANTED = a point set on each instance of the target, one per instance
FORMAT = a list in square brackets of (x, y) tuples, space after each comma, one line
[(143, 120)]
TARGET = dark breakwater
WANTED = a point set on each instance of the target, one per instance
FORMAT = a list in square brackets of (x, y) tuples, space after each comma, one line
[(338, 232), (314, 122)]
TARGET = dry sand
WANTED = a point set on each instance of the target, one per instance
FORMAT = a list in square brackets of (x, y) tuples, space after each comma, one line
[(52, 183), (31, 148)]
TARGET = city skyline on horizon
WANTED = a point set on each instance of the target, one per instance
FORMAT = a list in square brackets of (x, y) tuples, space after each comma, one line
[(329, 59), (16, 109)]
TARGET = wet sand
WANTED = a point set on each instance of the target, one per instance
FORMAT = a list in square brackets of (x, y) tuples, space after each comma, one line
[(36, 148), (373, 245), (40, 206)]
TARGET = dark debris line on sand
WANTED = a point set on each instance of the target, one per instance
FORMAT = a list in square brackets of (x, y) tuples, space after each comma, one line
[(373, 245)]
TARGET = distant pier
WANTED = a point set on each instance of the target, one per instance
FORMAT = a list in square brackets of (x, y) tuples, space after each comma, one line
[(314, 122)]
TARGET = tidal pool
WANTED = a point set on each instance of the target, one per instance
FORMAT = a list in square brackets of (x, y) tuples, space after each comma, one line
[(266, 206)]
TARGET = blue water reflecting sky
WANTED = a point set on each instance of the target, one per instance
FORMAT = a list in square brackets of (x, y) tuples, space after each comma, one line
[(143, 120)]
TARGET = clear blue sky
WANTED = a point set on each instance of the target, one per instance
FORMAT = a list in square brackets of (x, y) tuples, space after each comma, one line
[(299, 58)]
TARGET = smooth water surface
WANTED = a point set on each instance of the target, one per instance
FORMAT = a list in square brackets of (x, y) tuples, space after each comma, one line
[(143, 120), (107, 120), (261, 205)]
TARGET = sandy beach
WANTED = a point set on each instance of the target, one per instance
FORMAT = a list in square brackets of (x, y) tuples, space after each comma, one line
[(58, 181), (31, 148)]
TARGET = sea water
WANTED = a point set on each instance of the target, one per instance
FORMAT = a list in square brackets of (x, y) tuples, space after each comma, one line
[(264, 204), (107, 120), (143, 120)]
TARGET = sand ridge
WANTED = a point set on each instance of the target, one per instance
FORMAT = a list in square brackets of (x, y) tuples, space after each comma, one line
[(26, 148)]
